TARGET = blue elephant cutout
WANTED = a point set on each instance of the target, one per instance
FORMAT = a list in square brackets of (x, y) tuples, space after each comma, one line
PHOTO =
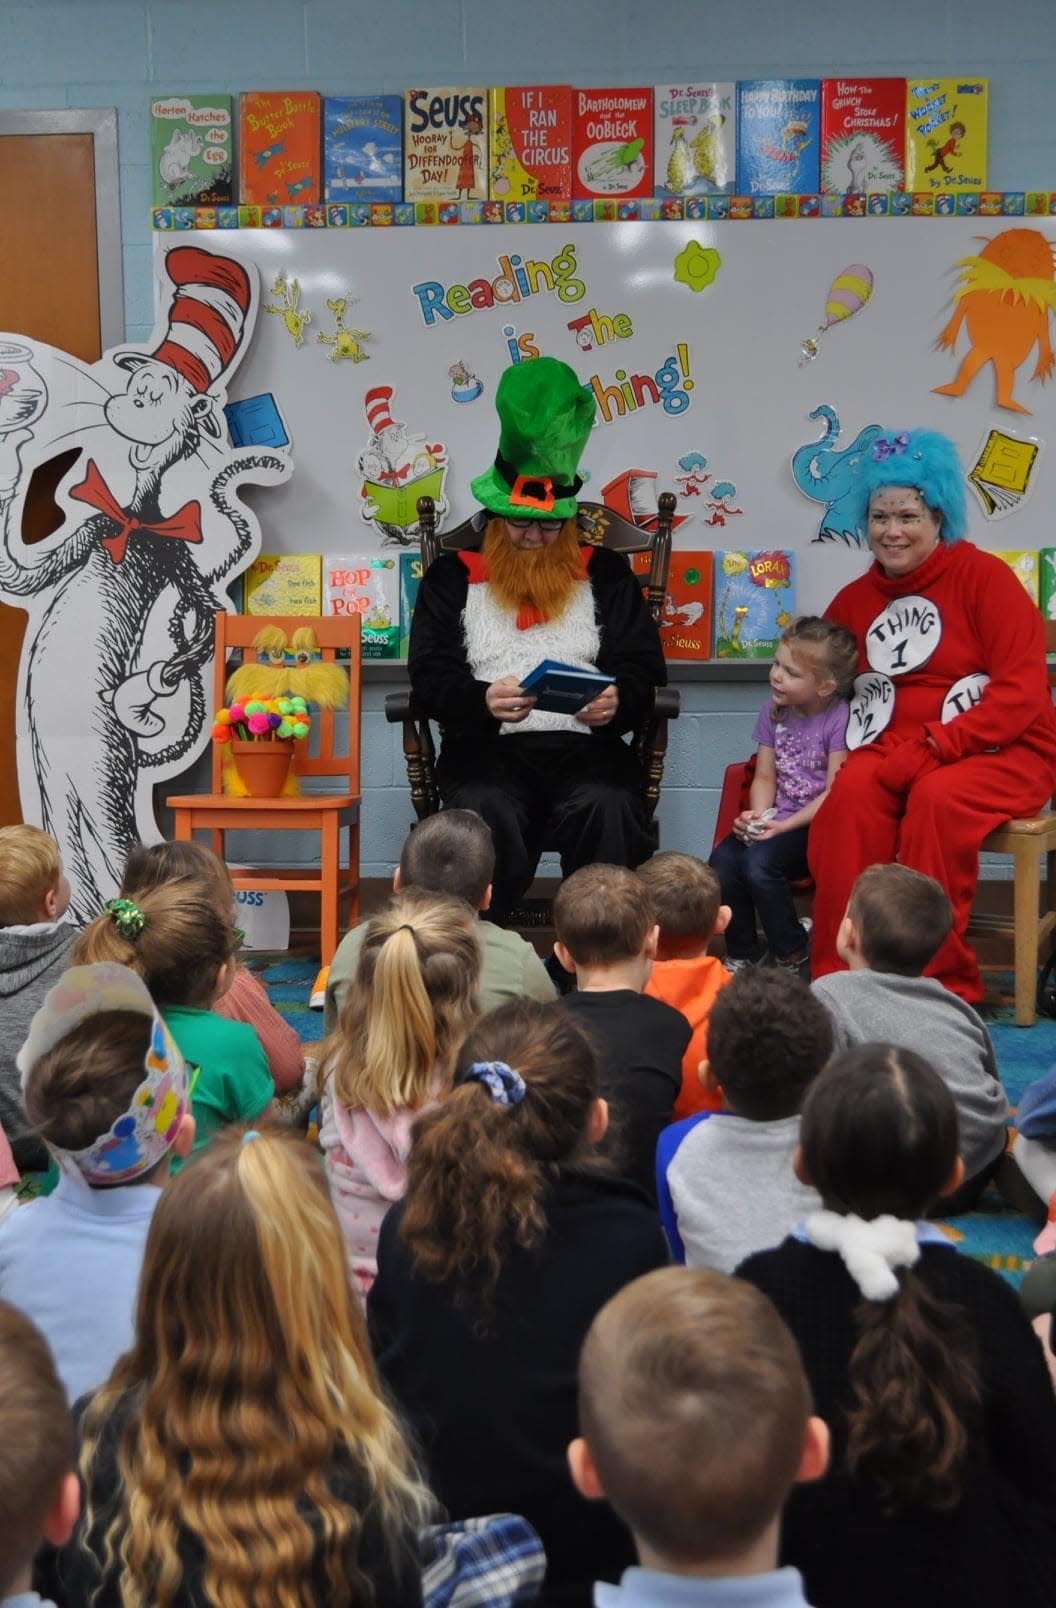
[(826, 473)]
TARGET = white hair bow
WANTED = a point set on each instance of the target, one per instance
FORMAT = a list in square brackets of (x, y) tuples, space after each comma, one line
[(869, 1250)]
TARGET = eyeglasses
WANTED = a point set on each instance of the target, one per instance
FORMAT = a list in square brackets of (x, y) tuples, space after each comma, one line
[(550, 526)]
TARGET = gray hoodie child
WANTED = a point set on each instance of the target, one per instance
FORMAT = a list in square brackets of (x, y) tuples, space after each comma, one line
[(31, 961)]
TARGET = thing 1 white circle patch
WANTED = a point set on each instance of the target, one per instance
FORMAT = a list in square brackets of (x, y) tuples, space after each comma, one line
[(904, 636), (963, 695), (872, 705)]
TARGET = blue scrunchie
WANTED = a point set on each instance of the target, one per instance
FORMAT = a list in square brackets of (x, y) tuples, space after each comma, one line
[(504, 1085)]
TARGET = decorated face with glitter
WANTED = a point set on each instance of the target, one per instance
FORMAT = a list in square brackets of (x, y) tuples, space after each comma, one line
[(903, 530)]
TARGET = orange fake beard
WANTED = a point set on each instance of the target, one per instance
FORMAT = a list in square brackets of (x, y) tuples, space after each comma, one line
[(534, 583)]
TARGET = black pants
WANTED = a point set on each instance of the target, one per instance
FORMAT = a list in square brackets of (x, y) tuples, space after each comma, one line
[(578, 795)]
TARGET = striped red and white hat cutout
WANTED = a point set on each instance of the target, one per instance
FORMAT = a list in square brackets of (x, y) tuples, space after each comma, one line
[(207, 317), (376, 402)]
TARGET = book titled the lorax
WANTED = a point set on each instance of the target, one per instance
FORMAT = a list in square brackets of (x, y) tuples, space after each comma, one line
[(754, 601), (445, 146), (613, 144), (530, 129), (279, 148)]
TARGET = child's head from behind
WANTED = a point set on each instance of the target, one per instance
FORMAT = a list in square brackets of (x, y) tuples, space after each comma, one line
[(175, 935), (695, 1414), (33, 886), (896, 920), (102, 1081), (525, 1101), (252, 1356), (151, 865), (450, 852), (687, 900), (879, 1134), (768, 1038), (411, 1001), (38, 1490), (603, 917), (815, 662)]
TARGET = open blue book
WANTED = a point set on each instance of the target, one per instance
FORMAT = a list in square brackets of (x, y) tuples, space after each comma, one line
[(564, 689)]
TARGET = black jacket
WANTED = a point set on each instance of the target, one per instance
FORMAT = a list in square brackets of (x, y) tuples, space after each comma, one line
[(495, 1409)]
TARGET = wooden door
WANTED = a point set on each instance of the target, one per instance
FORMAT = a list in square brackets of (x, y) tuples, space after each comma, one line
[(49, 290)]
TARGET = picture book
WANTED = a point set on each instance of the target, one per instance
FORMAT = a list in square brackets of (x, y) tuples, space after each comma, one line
[(445, 145), (279, 148), (530, 134), (410, 580), (1047, 582), (755, 599), (363, 148), (191, 151), (946, 134), (1024, 564), (778, 136), (367, 584), (694, 147), (564, 689), (612, 145), (283, 583), (863, 124), (685, 621)]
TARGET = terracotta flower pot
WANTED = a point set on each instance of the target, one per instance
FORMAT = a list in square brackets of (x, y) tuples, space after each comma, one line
[(262, 766)]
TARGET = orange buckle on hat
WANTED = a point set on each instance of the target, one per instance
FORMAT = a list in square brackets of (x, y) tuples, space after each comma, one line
[(533, 491)]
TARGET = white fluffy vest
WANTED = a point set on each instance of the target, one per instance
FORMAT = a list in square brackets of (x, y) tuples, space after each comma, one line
[(495, 648)]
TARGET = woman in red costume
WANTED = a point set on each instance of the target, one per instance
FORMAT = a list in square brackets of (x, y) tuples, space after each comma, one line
[(952, 730)]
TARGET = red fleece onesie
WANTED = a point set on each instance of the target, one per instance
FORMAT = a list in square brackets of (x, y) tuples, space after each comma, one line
[(960, 615)]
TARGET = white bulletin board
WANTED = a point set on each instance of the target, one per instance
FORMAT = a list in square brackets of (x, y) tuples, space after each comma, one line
[(697, 331)]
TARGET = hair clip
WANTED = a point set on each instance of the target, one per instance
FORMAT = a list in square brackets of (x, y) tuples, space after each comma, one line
[(504, 1085), (127, 917), (889, 446), (250, 1133)]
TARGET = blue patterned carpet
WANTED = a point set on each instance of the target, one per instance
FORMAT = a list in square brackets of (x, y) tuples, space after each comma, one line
[(994, 1234)]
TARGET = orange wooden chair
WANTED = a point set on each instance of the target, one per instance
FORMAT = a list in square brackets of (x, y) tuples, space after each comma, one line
[(315, 759)]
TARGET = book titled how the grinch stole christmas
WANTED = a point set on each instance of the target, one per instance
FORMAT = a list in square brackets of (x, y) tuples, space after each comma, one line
[(445, 144), (612, 148), (755, 599), (695, 148), (946, 134), (530, 134), (863, 124), (279, 148)]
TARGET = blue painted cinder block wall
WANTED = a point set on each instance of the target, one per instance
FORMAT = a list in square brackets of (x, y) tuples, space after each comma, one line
[(56, 53)]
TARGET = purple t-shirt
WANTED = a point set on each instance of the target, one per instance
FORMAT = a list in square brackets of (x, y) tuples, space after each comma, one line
[(802, 745)]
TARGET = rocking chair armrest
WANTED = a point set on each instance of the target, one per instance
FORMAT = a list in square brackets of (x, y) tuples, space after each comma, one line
[(398, 706), (667, 703), (419, 751)]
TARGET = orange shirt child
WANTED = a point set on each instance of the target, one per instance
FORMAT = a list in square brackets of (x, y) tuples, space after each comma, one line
[(692, 987)]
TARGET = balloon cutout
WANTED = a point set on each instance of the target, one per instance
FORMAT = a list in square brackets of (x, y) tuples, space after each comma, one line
[(848, 294)]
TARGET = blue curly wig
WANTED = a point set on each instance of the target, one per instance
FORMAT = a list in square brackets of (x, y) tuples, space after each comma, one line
[(923, 459)]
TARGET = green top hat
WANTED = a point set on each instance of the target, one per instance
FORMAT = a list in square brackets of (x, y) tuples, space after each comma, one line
[(546, 417)]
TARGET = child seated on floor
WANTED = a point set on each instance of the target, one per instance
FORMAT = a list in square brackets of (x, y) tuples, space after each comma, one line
[(35, 941), (511, 1237), (453, 853), (696, 1423), (411, 1003), (246, 1000), (107, 1090), (606, 932), (39, 1494), (725, 1180), (942, 1483), (183, 946), (896, 921), (240, 1450), (802, 742), (686, 897)]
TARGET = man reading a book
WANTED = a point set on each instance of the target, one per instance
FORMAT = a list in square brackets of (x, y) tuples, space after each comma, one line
[(485, 619)]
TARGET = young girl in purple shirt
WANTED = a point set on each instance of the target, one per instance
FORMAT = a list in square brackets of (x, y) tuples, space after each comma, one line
[(802, 741)]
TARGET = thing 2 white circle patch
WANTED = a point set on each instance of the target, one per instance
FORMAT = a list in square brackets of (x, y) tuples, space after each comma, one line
[(872, 705), (904, 636)]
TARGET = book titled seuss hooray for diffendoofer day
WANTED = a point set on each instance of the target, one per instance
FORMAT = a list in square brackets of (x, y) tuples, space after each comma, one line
[(445, 151)]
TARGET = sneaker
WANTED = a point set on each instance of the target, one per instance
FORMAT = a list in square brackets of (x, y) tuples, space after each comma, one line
[(798, 965), (733, 966)]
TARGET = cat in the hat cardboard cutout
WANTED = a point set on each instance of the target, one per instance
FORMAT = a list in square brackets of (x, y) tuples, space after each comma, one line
[(397, 469), (112, 684)]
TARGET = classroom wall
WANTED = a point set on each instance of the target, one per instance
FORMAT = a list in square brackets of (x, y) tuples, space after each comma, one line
[(56, 53)]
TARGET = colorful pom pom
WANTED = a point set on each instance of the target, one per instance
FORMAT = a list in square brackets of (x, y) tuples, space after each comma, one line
[(300, 728), (221, 733), (258, 724), (285, 729), (237, 714), (223, 717)]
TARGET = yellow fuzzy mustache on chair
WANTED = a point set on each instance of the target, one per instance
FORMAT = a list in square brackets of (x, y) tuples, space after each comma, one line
[(294, 669)]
